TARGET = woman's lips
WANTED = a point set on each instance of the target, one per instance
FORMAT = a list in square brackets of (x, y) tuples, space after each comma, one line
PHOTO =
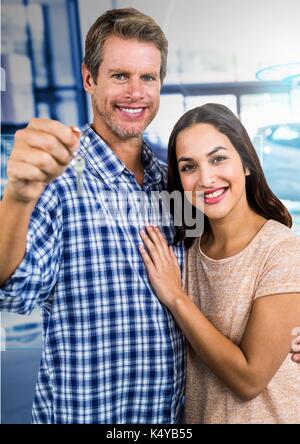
[(215, 196)]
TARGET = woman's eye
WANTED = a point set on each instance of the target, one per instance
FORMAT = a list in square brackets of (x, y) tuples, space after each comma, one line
[(187, 168), (218, 159)]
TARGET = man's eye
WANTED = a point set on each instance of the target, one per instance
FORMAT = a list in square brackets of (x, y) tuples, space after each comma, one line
[(148, 78), (187, 168), (218, 159), (119, 76)]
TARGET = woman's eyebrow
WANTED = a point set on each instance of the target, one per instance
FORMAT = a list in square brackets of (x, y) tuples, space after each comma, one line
[(185, 159), (216, 150), (190, 159)]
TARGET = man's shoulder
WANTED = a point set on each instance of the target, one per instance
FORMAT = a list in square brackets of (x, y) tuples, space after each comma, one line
[(151, 160), (161, 164), (163, 168)]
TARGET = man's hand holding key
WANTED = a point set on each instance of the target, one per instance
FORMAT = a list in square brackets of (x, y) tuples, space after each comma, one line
[(41, 152)]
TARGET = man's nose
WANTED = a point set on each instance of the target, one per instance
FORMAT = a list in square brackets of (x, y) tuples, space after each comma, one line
[(135, 89)]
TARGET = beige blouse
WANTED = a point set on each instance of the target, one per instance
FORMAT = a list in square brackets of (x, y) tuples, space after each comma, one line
[(224, 290)]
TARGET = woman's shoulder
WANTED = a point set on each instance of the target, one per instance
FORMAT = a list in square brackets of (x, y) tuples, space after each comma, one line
[(280, 271), (273, 237), (277, 237), (275, 232)]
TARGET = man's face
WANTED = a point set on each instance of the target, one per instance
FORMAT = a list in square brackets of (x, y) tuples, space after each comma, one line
[(126, 97)]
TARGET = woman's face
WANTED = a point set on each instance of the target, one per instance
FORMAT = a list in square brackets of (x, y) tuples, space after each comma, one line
[(211, 171)]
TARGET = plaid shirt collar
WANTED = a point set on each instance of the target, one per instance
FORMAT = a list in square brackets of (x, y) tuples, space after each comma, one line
[(107, 164)]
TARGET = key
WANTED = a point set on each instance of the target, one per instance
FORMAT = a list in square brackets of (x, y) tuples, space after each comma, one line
[(79, 166), (79, 160)]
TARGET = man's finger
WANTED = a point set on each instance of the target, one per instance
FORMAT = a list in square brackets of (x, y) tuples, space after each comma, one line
[(24, 171), (44, 161), (65, 134), (42, 142)]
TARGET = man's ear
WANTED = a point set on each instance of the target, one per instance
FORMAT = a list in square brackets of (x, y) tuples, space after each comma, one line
[(88, 82)]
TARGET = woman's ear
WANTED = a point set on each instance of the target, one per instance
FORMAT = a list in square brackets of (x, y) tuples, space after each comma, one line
[(247, 171)]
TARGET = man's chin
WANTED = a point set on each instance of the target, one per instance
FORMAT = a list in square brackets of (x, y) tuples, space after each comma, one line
[(129, 133)]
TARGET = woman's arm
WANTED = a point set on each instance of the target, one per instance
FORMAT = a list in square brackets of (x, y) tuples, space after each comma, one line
[(246, 369)]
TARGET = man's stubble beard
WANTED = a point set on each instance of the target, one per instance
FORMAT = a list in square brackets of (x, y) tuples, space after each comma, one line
[(120, 132)]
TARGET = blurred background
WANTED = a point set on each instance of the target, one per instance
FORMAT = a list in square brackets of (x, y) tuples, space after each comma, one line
[(245, 55)]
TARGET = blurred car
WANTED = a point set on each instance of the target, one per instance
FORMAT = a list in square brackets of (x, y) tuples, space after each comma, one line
[(278, 147)]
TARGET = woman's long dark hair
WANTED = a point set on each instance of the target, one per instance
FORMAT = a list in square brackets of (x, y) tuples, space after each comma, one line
[(259, 196)]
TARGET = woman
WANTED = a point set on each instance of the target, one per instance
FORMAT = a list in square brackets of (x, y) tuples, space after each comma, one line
[(242, 276)]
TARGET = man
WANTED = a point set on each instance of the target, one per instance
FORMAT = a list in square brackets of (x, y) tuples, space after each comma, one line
[(112, 353)]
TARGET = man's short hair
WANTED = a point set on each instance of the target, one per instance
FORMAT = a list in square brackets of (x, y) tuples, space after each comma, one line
[(127, 23)]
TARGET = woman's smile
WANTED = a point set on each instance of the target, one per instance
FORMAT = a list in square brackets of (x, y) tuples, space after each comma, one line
[(214, 196)]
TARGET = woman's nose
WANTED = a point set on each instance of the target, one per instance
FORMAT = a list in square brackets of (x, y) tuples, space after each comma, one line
[(207, 178)]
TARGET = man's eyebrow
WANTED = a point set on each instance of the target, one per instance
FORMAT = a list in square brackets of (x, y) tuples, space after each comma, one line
[(125, 71), (151, 73)]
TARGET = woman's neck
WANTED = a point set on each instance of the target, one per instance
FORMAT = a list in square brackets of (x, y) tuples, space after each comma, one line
[(231, 235)]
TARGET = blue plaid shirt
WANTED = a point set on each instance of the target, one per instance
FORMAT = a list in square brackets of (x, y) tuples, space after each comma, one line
[(112, 353)]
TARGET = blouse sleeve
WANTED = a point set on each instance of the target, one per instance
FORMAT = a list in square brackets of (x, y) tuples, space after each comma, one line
[(281, 272)]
